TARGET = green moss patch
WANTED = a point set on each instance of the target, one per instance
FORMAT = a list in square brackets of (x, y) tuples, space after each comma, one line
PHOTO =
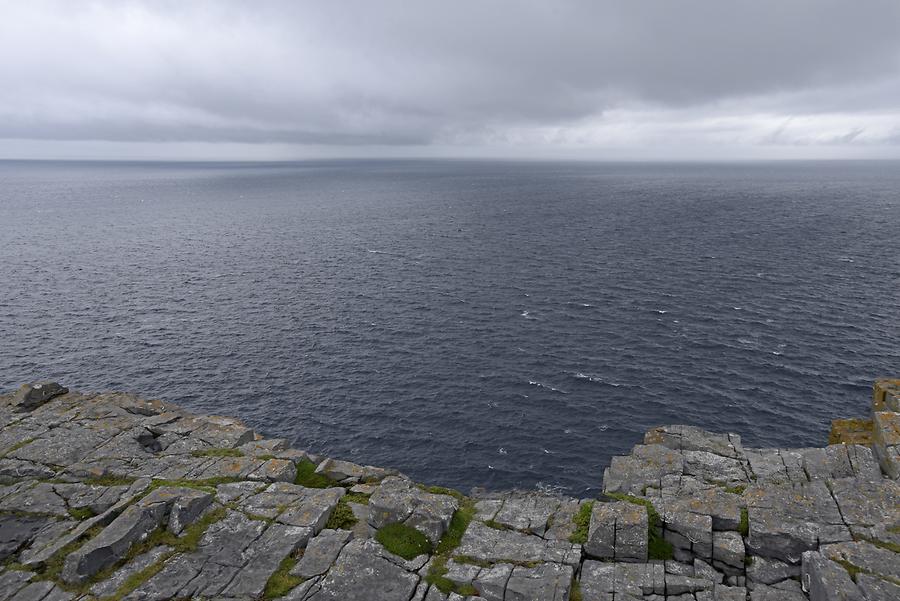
[(582, 521), (281, 581), (402, 540), (307, 476), (744, 526), (342, 517), (81, 513), (217, 452)]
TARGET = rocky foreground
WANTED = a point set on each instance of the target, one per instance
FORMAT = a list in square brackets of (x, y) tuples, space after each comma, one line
[(109, 496)]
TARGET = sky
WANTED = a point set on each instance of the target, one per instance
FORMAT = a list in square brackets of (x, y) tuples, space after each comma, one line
[(607, 80)]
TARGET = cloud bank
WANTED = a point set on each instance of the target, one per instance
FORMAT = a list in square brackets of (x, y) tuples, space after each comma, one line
[(650, 79)]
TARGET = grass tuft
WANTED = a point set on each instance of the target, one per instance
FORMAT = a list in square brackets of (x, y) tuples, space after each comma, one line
[(342, 517), (217, 452), (402, 540), (108, 481), (744, 526), (81, 513), (582, 521), (282, 581), (736, 490), (307, 476)]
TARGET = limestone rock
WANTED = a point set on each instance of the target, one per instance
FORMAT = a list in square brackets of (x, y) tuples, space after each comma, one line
[(320, 553), (360, 573), (31, 396), (398, 500), (618, 531)]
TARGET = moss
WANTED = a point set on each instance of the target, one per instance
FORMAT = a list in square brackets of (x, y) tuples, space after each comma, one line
[(307, 476), (744, 526), (281, 581), (16, 447), (582, 521), (472, 561), (402, 540), (851, 431), (448, 543), (657, 546), (894, 547), (458, 526), (575, 594), (217, 452), (736, 490), (466, 590), (440, 490), (81, 513), (342, 517), (355, 497), (496, 525), (207, 485)]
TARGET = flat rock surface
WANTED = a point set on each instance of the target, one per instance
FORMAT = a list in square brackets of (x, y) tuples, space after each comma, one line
[(113, 496)]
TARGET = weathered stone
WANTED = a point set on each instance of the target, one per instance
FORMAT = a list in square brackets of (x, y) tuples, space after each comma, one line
[(18, 531), (618, 531), (31, 396), (763, 592), (105, 549), (691, 532), (546, 582), (12, 581), (728, 550), (37, 498), (360, 573), (867, 557), (876, 589), (263, 558), (320, 553), (769, 571), (491, 582), (527, 512), (397, 500), (785, 521), (611, 581), (886, 431), (826, 580), (341, 471), (645, 467), (275, 470), (489, 544), (107, 587)]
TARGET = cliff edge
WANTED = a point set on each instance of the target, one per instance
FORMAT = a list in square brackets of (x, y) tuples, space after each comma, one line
[(110, 496)]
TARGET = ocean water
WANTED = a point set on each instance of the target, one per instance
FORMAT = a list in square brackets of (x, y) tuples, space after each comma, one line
[(470, 323)]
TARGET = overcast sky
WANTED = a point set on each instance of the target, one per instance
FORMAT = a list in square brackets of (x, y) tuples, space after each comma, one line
[(631, 79)]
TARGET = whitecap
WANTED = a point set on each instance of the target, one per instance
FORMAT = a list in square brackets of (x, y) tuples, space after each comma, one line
[(548, 387), (502, 451), (661, 311)]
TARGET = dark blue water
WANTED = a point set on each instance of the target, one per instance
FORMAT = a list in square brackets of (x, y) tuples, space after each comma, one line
[(493, 324)]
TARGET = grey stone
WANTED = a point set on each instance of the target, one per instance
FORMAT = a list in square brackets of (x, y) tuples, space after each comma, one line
[(546, 582), (263, 558), (679, 585), (107, 587), (491, 582), (359, 573), (320, 553), (527, 512), (34, 591), (785, 521), (886, 441), (876, 589), (12, 581), (488, 544), (826, 580), (769, 571), (689, 531), (105, 549), (612, 581), (728, 549), (618, 531), (18, 531), (645, 467), (341, 471), (398, 500), (765, 592), (31, 396), (870, 558)]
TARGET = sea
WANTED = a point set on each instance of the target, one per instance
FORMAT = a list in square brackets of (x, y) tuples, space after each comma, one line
[(470, 323)]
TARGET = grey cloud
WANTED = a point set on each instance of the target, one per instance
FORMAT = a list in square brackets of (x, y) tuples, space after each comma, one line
[(412, 73)]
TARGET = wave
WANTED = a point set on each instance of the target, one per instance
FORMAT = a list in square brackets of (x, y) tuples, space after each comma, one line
[(547, 386), (595, 379)]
